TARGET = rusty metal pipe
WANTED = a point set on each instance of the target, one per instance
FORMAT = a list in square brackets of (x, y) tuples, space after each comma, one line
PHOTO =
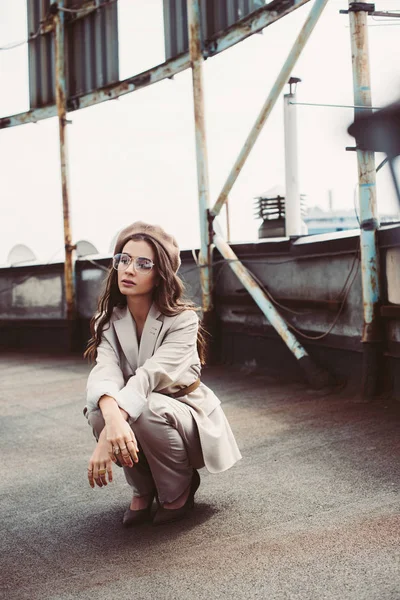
[(369, 220), (277, 88), (197, 60), (61, 102), (316, 376)]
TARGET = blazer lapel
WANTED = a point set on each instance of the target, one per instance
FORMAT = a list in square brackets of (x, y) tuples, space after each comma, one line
[(125, 329), (150, 333)]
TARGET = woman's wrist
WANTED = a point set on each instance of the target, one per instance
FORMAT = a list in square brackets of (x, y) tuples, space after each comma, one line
[(109, 408), (102, 436)]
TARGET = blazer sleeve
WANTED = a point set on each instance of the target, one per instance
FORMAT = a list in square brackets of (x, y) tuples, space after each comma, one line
[(175, 356), (106, 376)]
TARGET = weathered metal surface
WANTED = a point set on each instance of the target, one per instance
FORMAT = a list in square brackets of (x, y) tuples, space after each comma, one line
[(319, 272), (237, 33), (390, 311), (91, 49), (196, 59), (60, 93), (223, 22), (215, 16), (277, 88), (176, 26), (252, 23), (367, 182), (290, 302), (33, 292), (41, 55), (260, 298), (393, 275)]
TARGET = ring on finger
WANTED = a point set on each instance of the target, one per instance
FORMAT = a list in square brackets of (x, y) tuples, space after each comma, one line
[(102, 471), (117, 450)]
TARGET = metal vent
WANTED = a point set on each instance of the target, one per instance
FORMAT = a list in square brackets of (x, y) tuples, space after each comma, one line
[(272, 211), (216, 16), (91, 50)]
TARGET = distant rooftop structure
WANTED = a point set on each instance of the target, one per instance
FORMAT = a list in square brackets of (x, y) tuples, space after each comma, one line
[(20, 254), (321, 221)]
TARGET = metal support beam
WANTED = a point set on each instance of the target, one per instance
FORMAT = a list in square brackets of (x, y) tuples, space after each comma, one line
[(316, 376), (62, 120), (252, 24), (197, 60), (276, 91), (369, 221)]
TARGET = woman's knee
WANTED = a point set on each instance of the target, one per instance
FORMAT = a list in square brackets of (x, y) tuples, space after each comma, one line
[(96, 421), (155, 412)]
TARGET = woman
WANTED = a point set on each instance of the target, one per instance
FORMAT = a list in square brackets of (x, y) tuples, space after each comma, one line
[(145, 402)]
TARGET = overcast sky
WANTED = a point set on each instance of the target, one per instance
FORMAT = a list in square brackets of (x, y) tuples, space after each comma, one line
[(134, 158)]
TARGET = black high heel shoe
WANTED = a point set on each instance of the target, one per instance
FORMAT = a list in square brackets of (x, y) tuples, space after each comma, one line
[(136, 517), (168, 515)]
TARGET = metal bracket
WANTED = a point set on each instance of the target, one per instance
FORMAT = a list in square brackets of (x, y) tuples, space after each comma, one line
[(53, 8), (210, 221), (369, 225), (293, 81), (359, 7)]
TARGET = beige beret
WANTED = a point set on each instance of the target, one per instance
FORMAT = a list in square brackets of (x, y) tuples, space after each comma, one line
[(168, 242)]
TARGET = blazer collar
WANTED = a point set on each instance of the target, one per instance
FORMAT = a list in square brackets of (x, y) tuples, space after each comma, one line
[(125, 328)]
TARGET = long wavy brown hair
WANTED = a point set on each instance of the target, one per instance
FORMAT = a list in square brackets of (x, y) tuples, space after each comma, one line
[(168, 295)]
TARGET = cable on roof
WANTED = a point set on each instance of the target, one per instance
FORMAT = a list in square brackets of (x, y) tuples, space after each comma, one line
[(86, 11)]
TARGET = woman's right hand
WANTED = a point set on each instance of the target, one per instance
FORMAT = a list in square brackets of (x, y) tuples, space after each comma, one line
[(121, 441)]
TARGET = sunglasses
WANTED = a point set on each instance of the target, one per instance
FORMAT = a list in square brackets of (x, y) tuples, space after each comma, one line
[(140, 263)]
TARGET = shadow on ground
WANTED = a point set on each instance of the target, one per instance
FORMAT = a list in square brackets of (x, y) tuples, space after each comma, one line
[(312, 510)]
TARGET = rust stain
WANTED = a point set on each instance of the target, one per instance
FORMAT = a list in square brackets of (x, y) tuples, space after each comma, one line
[(4, 123)]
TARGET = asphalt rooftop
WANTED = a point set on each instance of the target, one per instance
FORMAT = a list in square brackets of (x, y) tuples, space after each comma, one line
[(310, 512)]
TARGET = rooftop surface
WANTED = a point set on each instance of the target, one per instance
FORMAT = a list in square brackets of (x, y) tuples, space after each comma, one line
[(311, 512)]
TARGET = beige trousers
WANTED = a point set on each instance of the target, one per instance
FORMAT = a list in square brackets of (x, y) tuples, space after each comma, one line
[(169, 447)]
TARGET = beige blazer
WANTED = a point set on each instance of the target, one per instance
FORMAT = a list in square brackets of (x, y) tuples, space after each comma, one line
[(167, 360)]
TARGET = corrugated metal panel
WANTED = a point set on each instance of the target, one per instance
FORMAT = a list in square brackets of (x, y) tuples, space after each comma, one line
[(91, 50), (216, 15), (176, 26), (41, 57), (227, 12)]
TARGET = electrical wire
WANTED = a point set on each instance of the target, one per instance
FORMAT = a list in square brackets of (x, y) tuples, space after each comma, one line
[(13, 45), (355, 203), (326, 333), (338, 105), (86, 11), (343, 294), (343, 302), (195, 258), (281, 262)]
